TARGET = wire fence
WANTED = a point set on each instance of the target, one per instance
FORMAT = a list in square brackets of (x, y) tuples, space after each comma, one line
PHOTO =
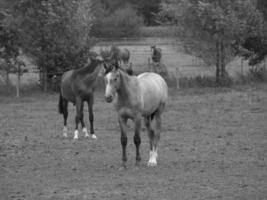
[(178, 63)]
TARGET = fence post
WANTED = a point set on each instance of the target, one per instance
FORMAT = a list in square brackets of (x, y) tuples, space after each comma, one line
[(18, 81), (177, 76), (265, 63), (242, 67)]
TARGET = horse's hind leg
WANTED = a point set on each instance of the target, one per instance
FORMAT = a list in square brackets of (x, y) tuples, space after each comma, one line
[(84, 129), (154, 136), (151, 135), (137, 139)]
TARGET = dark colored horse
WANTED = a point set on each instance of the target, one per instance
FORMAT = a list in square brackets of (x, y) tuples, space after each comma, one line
[(129, 69), (156, 54), (78, 86), (120, 54), (135, 97)]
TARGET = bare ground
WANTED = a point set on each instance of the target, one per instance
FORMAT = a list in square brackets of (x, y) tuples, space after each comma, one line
[(213, 146)]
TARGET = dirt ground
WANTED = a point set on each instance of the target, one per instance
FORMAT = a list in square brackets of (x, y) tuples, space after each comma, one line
[(213, 146)]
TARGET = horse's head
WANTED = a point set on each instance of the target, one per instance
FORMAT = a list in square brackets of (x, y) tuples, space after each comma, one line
[(112, 82)]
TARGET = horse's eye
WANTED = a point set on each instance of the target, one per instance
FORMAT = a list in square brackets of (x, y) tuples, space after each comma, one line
[(115, 79)]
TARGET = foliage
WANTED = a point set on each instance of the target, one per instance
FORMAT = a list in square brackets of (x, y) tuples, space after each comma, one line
[(122, 23), (254, 48), (10, 42), (209, 28), (55, 32), (148, 9)]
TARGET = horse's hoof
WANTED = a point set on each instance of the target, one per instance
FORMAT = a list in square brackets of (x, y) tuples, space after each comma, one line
[(76, 133), (94, 136), (86, 135), (152, 164), (122, 168), (136, 168), (65, 135)]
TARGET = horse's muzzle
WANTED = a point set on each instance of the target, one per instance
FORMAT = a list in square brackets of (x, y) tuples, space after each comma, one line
[(108, 99)]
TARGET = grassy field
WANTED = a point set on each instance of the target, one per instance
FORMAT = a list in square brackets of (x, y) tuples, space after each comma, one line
[(213, 146)]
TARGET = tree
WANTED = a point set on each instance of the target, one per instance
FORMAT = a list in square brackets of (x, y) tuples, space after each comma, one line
[(55, 32), (148, 9), (123, 22), (209, 28), (9, 43), (254, 48)]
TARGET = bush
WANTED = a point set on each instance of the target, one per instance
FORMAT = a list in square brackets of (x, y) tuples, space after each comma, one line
[(255, 74), (198, 81), (122, 23)]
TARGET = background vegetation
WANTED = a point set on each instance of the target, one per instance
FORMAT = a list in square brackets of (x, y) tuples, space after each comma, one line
[(59, 34)]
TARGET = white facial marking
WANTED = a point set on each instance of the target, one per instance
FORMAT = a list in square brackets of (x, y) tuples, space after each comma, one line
[(108, 91), (76, 134)]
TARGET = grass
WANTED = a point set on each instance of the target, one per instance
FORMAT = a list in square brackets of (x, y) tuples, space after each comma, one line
[(213, 146)]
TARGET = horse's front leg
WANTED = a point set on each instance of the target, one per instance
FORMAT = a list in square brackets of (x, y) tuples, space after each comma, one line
[(79, 106), (91, 116), (123, 127), (137, 139)]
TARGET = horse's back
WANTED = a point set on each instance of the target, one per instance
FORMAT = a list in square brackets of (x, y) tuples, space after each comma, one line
[(154, 91), (66, 87)]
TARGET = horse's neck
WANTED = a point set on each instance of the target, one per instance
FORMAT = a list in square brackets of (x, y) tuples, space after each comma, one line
[(91, 77), (128, 90), (88, 69)]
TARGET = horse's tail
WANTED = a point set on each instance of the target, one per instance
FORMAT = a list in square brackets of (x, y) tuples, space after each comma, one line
[(60, 104)]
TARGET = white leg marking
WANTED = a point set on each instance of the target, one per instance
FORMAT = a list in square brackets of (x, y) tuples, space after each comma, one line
[(85, 132), (65, 131), (153, 158), (94, 136), (76, 135)]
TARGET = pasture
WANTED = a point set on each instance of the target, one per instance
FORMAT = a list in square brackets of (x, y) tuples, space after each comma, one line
[(213, 146)]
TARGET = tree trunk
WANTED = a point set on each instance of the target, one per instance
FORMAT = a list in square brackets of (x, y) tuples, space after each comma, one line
[(223, 72), (18, 82)]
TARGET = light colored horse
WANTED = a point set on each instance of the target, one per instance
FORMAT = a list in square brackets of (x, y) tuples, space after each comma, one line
[(136, 97)]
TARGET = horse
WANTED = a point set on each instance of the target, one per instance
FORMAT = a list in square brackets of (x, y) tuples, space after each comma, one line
[(119, 55), (135, 97), (78, 86), (122, 55), (156, 54)]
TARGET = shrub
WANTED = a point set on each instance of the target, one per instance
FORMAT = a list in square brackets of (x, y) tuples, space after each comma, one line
[(122, 23)]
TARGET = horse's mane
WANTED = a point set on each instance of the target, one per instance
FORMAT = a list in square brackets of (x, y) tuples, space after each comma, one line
[(88, 69)]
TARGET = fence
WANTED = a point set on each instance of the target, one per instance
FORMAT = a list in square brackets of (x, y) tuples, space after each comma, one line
[(177, 62)]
